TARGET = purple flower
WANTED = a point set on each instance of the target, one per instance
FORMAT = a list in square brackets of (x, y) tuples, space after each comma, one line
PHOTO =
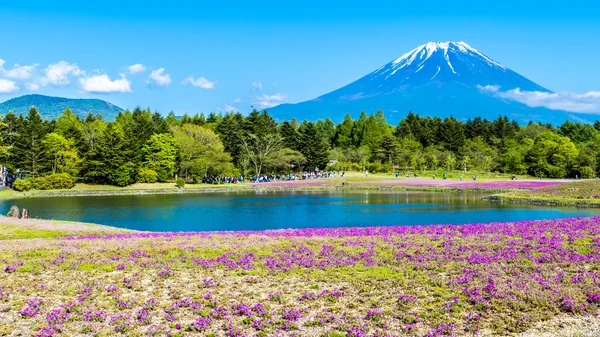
[(201, 324)]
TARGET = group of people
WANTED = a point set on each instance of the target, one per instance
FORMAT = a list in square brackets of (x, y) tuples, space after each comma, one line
[(223, 180), (433, 176), (297, 176)]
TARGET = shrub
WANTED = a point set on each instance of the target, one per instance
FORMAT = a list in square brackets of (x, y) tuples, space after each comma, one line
[(180, 182), (14, 212), (146, 175), (21, 185), (586, 172), (122, 176), (355, 167), (377, 167), (53, 182)]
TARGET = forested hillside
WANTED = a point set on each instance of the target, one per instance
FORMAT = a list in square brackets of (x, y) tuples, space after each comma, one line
[(51, 107), (141, 146)]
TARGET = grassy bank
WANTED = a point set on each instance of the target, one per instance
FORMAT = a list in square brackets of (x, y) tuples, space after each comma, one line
[(584, 193), (491, 280), (12, 228)]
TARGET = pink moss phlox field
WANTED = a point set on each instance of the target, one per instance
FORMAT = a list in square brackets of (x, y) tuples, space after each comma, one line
[(440, 280)]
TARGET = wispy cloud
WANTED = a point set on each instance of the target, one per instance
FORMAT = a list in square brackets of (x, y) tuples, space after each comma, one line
[(32, 86), (7, 87), (18, 71), (159, 77), (588, 102), (257, 86), (200, 82), (237, 100), (136, 68), (488, 88), (103, 84), (267, 101), (229, 108), (58, 73)]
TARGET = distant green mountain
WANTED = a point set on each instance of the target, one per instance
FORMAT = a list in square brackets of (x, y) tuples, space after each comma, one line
[(51, 107)]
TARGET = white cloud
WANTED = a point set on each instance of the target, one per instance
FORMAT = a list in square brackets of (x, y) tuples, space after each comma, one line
[(257, 86), (229, 108), (200, 82), (7, 87), (103, 84), (588, 102), (136, 68), (237, 100), (58, 73), (159, 77), (488, 88), (32, 86), (18, 71), (267, 101)]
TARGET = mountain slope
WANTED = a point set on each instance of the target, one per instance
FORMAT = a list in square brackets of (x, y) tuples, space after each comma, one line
[(51, 107), (438, 79)]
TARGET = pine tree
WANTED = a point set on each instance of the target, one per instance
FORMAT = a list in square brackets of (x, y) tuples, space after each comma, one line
[(451, 134), (326, 129), (343, 133), (29, 154), (358, 129), (230, 129), (107, 157), (289, 133), (313, 147)]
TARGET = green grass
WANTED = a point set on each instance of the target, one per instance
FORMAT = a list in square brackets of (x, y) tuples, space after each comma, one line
[(11, 228), (8, 232)]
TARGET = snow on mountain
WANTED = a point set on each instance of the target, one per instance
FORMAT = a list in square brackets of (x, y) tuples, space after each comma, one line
[(437, 79)]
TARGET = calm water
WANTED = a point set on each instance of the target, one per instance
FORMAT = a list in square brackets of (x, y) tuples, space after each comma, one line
[(271, 210)]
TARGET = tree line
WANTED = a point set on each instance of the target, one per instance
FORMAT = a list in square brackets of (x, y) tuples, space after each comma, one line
[(144, 146)]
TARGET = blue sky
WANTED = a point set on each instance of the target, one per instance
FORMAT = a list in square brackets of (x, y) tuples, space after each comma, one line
[(222, 55)]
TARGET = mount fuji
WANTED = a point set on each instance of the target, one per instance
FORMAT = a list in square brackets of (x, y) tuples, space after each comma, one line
[(437, 79)]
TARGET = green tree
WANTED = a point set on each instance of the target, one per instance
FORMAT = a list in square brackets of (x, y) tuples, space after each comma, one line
[(231, 128), (159, 154), (62, 153), (285, 160), (577, 132), (343, 133), (108, 163), (477, 150), (451, 134), (552, 155), (289, 134), (313, 147), (29, 152), (376, 128), (260, 139), (201, 152), (358, 129), (326, 129)]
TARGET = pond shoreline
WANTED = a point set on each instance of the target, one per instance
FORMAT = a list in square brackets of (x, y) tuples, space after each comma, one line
[(545, 202), (244, 189)]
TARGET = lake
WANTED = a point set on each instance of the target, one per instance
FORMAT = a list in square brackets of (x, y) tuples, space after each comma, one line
[(271, 210)]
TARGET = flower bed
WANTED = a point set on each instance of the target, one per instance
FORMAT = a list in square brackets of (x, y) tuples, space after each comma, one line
[(488, 279)]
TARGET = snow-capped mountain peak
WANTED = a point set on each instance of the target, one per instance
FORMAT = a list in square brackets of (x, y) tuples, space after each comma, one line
[(437, 78), (443, 53)]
